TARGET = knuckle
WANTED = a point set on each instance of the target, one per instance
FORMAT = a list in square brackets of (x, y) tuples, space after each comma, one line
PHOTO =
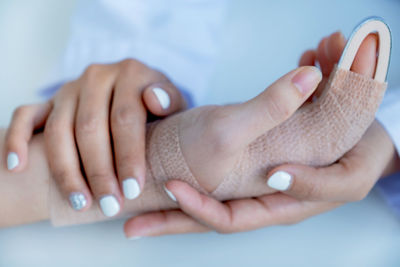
[(101, 176), (53, 127), (130, 63), (142, 72), (96, 75), (311, 191), (87, 123), (276, 110), (123, 116), (21, 111), (64, 179), (132, 161), (132, 66), (92, 70), (102, 182)]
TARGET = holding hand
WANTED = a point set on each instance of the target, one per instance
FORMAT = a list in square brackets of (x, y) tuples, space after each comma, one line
[(98, 121)]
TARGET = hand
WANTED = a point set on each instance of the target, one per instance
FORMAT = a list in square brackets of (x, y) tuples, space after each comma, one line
[(313, 190), (78, 121)]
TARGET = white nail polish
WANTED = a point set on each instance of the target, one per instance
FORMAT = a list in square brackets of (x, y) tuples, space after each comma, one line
[(280, 181), (12, 160), (134, 237), (169, 193), (109, 205), (131, 188), (162, 97), (77, 200)]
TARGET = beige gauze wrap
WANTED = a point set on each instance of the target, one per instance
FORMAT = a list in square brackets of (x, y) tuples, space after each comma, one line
[(318, 134)]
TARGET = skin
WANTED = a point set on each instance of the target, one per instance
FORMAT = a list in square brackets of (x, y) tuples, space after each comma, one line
[(313, 190), (77, 123)]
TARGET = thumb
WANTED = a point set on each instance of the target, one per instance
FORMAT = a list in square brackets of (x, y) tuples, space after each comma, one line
[(273, 106), (335, 183)]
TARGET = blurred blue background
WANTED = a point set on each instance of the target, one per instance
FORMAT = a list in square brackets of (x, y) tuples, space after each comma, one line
[(262, 40)]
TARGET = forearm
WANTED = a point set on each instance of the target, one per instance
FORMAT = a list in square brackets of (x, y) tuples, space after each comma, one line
[(24, 195)]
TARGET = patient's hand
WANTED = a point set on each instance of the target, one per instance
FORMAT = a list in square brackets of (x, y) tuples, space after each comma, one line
[(78, 121), (213, 138), (308, 191)]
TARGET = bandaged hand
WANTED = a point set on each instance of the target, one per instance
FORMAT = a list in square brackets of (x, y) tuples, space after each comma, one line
[(302, 191)]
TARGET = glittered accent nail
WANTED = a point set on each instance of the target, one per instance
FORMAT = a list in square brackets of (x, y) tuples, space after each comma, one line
[(77, 200)]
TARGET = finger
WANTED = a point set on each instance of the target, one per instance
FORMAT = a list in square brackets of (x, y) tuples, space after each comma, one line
[(350, 179), (25, 121), (162, 223), (309, 183), (274, 105), (93, 137), (62, 155), (365, 60), (244, 214), (322, 58), (334, 47), (128, 126), (163, 99), (308, 58)]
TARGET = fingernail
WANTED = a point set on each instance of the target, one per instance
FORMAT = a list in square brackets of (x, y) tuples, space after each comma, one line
[(163, 97), (131, 188), (134, 237), (339, 33), (77, 200), (307, 79), (169, 193), (280, 181), (12, 160), (109, 205)]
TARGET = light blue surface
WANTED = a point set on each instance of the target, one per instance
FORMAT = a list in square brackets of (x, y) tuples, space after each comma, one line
[(263, 40)]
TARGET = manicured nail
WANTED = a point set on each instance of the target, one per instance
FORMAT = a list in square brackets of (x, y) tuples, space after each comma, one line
[(77, 200), (134, 237), (162, 97), (12, 160), (307, 79), (131, 188), (109, 205), (169, 193), (280, 181)]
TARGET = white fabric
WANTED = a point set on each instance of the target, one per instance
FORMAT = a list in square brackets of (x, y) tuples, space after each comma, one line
[(178, 37)]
